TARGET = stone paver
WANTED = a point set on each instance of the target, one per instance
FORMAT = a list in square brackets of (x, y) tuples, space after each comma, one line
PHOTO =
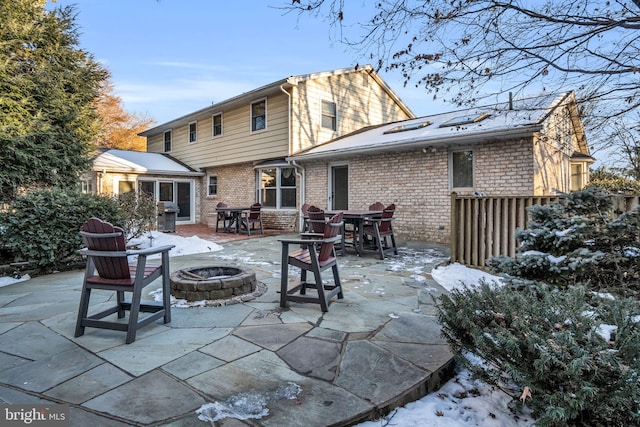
[(377, 348)]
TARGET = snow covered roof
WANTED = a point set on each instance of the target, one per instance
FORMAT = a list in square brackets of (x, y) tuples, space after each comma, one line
[(509, 120), (140, 162)]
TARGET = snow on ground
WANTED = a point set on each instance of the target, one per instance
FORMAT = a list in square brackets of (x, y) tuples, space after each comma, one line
[(460, 402), (458, 276)]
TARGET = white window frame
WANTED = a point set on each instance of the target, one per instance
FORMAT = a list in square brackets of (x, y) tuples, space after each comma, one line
[(251, 127), (195, 133), (334, 128), (582, 177), (86, 186), (451, 167), (213, 125), (209, 193), (164, 141), (278, 187)]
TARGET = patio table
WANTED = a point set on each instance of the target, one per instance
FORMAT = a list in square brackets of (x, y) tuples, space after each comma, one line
[(234, 213), (357, 218)]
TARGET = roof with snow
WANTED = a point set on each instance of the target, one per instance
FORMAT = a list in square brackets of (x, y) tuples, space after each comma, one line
[(509, 120), (141, 162)]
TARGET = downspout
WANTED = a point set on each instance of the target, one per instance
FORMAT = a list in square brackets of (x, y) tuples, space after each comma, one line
[(299, 169)]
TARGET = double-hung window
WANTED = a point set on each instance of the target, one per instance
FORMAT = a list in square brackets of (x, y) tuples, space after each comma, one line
[(329, 115), (217, 124), (193, 132), (277, 187), (167, 141), (259, 115), (461, 169), (212, 185)]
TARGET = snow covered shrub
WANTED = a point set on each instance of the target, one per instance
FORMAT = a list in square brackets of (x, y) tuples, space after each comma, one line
[(569, 355), (563, 330), (580, 241)]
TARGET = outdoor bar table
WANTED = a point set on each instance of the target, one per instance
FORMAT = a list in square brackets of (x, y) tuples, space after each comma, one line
[(235, 213), (357, 218)]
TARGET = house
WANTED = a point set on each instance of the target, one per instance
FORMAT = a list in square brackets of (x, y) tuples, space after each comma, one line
[(241, 145), (529, 147), (120, 171)]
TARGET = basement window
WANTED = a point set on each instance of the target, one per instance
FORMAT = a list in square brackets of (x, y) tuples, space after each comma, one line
[(465, 120), (404, 128)]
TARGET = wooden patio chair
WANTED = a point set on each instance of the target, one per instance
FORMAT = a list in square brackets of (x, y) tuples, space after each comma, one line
[(249, 219), (304, 211), (380, 229), (377, 206), (316, 226), (108, 269), (314, 256), (223, 217), (316, 220)]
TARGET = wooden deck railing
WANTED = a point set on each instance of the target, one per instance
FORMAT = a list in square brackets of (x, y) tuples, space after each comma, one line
[(482, 227)]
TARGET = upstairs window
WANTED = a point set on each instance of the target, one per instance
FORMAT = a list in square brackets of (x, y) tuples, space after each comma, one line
[(259, 115), (193, 132), (167, 141), (461, 169), (217, 124), (329, 115)]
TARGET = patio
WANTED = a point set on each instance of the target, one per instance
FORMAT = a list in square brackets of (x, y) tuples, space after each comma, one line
[(376, 349)]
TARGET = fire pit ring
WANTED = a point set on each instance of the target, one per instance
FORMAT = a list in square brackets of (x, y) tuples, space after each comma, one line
[(217, 285)]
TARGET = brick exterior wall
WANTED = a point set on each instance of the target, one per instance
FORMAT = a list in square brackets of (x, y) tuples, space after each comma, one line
[(237, 187), (418, 183)]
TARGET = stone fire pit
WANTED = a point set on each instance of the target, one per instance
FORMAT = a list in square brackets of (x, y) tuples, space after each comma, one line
[(218, 285)]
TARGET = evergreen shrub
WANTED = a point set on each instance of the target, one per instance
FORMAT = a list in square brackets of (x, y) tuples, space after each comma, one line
[(564, 324), (41, 226)]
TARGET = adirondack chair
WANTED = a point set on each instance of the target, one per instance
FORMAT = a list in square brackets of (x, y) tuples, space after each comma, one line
[(314, 256), (316, 220), (377, 206), (251, 218), (304, 211), (380, 229), (316, 226), (108, 268), (223, 217)]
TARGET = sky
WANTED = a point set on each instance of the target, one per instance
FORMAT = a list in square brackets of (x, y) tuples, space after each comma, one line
[(169, 58)]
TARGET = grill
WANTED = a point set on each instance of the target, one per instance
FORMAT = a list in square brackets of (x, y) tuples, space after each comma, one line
[(167, 212)]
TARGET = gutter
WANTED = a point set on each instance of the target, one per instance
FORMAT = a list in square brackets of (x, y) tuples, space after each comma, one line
[(418, 143), (299, 169)]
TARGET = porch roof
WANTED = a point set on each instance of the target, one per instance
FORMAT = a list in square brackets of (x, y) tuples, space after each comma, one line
[(510, 120), (124, 161)]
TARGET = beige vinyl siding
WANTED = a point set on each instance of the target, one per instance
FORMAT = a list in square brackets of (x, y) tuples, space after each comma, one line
[(155, 143), (552, 152), (237, 143), (360, 101)]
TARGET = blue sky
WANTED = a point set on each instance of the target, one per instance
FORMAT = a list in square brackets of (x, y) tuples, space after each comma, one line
[(169, 58)]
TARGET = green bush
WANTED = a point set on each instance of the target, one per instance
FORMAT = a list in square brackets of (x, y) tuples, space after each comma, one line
[(548, 340), (577, 270), (41, 226), (579, 241), (138, 212)]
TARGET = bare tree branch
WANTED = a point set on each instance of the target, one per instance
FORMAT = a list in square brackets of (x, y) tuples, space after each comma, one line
[(466, 51)]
